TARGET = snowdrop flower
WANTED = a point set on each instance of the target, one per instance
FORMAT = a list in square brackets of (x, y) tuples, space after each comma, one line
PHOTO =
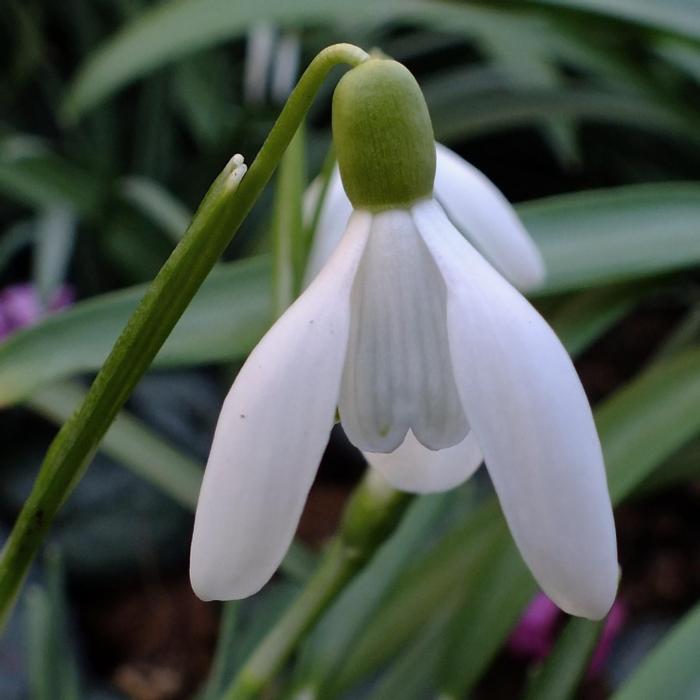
[(431, 357)]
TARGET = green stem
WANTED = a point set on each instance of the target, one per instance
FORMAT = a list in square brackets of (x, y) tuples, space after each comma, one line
[(372, 513), (218, 218)]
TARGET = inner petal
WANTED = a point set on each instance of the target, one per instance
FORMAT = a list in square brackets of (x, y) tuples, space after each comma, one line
[(398, 371)]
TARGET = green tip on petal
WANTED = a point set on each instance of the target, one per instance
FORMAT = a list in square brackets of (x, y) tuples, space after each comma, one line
[(383, 136)]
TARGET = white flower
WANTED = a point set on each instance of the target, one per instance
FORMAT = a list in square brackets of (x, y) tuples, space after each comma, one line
[(433, 360)]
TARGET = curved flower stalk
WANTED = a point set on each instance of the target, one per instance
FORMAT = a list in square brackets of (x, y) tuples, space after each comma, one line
[(431, 357)]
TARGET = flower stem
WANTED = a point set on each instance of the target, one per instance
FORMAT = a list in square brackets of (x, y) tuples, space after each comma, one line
[(371, 515), (223, 209)]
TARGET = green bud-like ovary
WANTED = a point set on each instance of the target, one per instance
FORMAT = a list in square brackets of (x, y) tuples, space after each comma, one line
[(383, 136)]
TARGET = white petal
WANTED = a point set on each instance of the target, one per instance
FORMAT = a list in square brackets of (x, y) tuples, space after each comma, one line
[(534, 425), (416, 469), (398, 373), (479, 210), (332, 220), (271, 434)]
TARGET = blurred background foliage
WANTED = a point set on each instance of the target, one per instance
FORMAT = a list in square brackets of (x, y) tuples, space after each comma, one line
[(115, 115)]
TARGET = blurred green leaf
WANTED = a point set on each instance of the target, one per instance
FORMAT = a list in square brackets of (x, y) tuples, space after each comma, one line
[(671, 670), (581, 319), (171, 30), (220, 672), (161, 207), (53, 245), (326, 648), (491, 110), (37, 178), (53, 670), (685, 56), (130, 442), (449, 570), (226, 318), (647, 420), (599, 236), (679, 16), (501, 590), (684, 335), (411, 675), (684, 465), (205, 96), (563, 669)]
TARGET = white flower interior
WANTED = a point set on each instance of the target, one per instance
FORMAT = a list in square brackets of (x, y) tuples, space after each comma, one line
[(398, 373)]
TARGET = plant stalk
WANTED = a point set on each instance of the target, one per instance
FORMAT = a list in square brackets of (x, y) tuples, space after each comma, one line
[(223, 209), (371, 515)]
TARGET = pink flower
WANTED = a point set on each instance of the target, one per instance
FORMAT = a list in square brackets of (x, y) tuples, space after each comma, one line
[(534, 636), (613, 625), (536, 633), (20, 306)]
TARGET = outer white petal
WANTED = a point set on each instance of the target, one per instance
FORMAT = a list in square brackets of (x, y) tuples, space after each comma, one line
[(333, 218), (530, 415), (479, 210), (271, 434), (416, 469)]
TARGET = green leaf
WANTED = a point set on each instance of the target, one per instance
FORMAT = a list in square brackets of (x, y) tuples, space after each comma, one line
[(448, 570), (326, 649), (671, 670), (682, 55), (171, 30), (53, 669), (678, 16), (161, 207), (35, 177), (601, 236), (501, 590), (684, 465), (493, 110), (411, 675), (130, 442), (647, 420), (562, 671), (581, 319), (684, 335), (226, 318), (53, 246), (221, 672)]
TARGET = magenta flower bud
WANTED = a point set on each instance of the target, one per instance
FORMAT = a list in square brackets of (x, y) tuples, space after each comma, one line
[(20, 306)]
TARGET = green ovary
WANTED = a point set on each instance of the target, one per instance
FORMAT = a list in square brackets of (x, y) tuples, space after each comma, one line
[(383, 136)]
